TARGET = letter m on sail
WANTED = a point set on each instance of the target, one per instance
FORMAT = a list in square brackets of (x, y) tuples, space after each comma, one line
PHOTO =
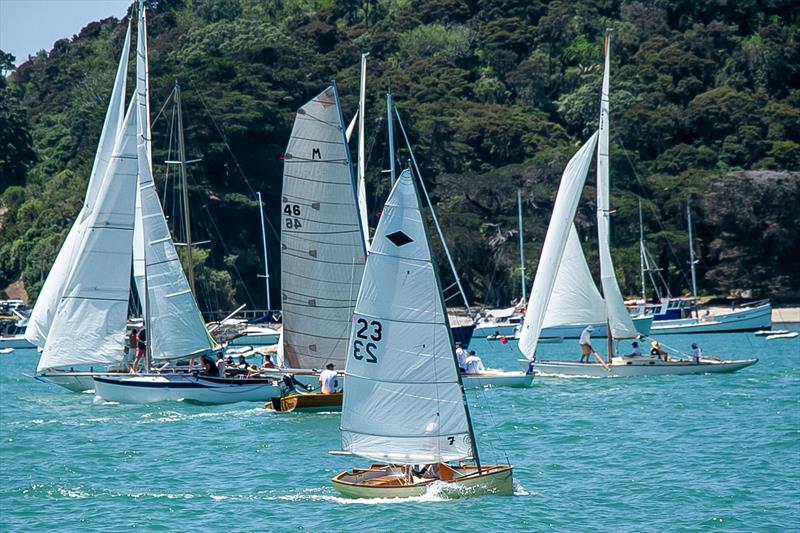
[(315, 154)]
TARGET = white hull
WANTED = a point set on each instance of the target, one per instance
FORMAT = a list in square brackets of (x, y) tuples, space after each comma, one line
[(497, 378), (259, 339), (141, 389), (748, 319), (573, 331), (486, 330), (643, 366), (16, 342), (74, 381)]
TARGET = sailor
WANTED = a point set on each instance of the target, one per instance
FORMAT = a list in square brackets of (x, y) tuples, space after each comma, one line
[(141, 348), (461, 355), (637, 351), (655, 349), (473, 363), (327, 379), (586, 343), (220, 365), (268, 361), (697, 353)]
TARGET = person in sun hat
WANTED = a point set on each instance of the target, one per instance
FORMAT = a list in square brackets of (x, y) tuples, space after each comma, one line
[(586, 343), (655, 349)]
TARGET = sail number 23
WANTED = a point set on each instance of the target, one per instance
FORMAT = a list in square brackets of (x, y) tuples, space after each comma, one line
[(367, 331)]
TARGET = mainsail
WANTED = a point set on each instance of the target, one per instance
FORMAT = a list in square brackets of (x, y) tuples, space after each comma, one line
[(89, 322), (43, 312), (404, 401), (322, 244), (619, 320), (174, 323), (555, 242)]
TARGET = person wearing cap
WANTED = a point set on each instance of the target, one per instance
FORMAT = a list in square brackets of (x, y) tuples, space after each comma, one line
[(473, 363), (655, 349), (637, 351), (697, 353), (327, 379), (586, 343), (461, 355)]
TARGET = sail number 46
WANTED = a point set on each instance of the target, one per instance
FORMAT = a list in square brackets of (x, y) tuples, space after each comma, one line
[(292, 212), (368, 331)]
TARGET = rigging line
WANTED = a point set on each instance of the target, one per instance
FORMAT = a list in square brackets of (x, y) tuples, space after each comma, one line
[(235, 160), (169, 97), (650, 207)]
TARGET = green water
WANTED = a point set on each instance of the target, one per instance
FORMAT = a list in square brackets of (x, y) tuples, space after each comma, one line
[(692, 453)]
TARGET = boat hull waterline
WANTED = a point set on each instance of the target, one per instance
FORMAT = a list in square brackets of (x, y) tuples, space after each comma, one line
[(142, 389), (644, 367), (749, 319), (383, 481)]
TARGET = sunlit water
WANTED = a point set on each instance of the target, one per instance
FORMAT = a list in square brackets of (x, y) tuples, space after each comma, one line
[(713, 452)]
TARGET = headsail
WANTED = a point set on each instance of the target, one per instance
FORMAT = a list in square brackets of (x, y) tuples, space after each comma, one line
[(174, 323), (42, 316), (89, 322), (566, 204), (575, 298), (618, 318), (322, 244), (404, 401)]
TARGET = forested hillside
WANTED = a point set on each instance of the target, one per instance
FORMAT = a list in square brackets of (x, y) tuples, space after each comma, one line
[(496, 95)]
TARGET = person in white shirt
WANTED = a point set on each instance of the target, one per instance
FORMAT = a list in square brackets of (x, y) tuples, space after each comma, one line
[(586, 343), (220, 365), (327, 379), (697, 353), (473, 363), (461, 355), (637, 351)]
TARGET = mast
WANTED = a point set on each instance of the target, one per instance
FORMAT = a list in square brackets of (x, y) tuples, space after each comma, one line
[(362, 163), (264, 244), (390, 124), (521, 250), (185, 187), (642, 252), (692, 260), (433, 212)]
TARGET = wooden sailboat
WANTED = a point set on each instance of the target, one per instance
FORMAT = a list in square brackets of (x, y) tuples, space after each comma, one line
[(555, 260), (404, 403)]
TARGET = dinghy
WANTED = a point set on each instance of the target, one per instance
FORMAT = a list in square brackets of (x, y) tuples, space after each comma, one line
[(787, 335), (404, 403), (552, 286)]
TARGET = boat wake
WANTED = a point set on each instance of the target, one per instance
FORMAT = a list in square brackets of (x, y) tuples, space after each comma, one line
[(435, 493)]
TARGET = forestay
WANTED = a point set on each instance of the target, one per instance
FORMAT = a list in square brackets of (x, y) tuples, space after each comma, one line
[(46, 304), (89, 322), (403, 402), (619, 319), (174, 323), (555, 242), (322, 244), (575, 298)]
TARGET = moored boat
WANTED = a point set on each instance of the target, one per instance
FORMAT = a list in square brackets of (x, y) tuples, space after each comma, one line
[(639, 366)]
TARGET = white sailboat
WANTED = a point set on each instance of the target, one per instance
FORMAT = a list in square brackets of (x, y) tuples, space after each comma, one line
[(404, 403), (557, 249), (174, 324)]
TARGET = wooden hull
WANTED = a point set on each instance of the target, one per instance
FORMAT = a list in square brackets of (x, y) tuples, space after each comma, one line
[(644, 366), (381, 481), (306, 402)]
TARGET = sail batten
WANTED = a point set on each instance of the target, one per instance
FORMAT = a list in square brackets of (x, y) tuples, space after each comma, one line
[(322, 245), (404, 400)]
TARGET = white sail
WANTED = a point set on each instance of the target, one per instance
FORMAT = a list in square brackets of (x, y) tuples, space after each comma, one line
[(322, 244), (49, 297), (362, 158), (566, 204), (575, 298), (403, 402), (138, 252), (619, 319), (174, 323), (89, 323)]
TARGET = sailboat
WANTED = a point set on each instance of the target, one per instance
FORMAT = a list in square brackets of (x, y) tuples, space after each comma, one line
[(174, 324), (404, 403), (559, 252)]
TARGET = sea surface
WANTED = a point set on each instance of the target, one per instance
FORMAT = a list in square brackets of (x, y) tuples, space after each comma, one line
[(680, 453)]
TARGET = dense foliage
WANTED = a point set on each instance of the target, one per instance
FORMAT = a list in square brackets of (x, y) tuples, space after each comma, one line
[(495, 94)]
